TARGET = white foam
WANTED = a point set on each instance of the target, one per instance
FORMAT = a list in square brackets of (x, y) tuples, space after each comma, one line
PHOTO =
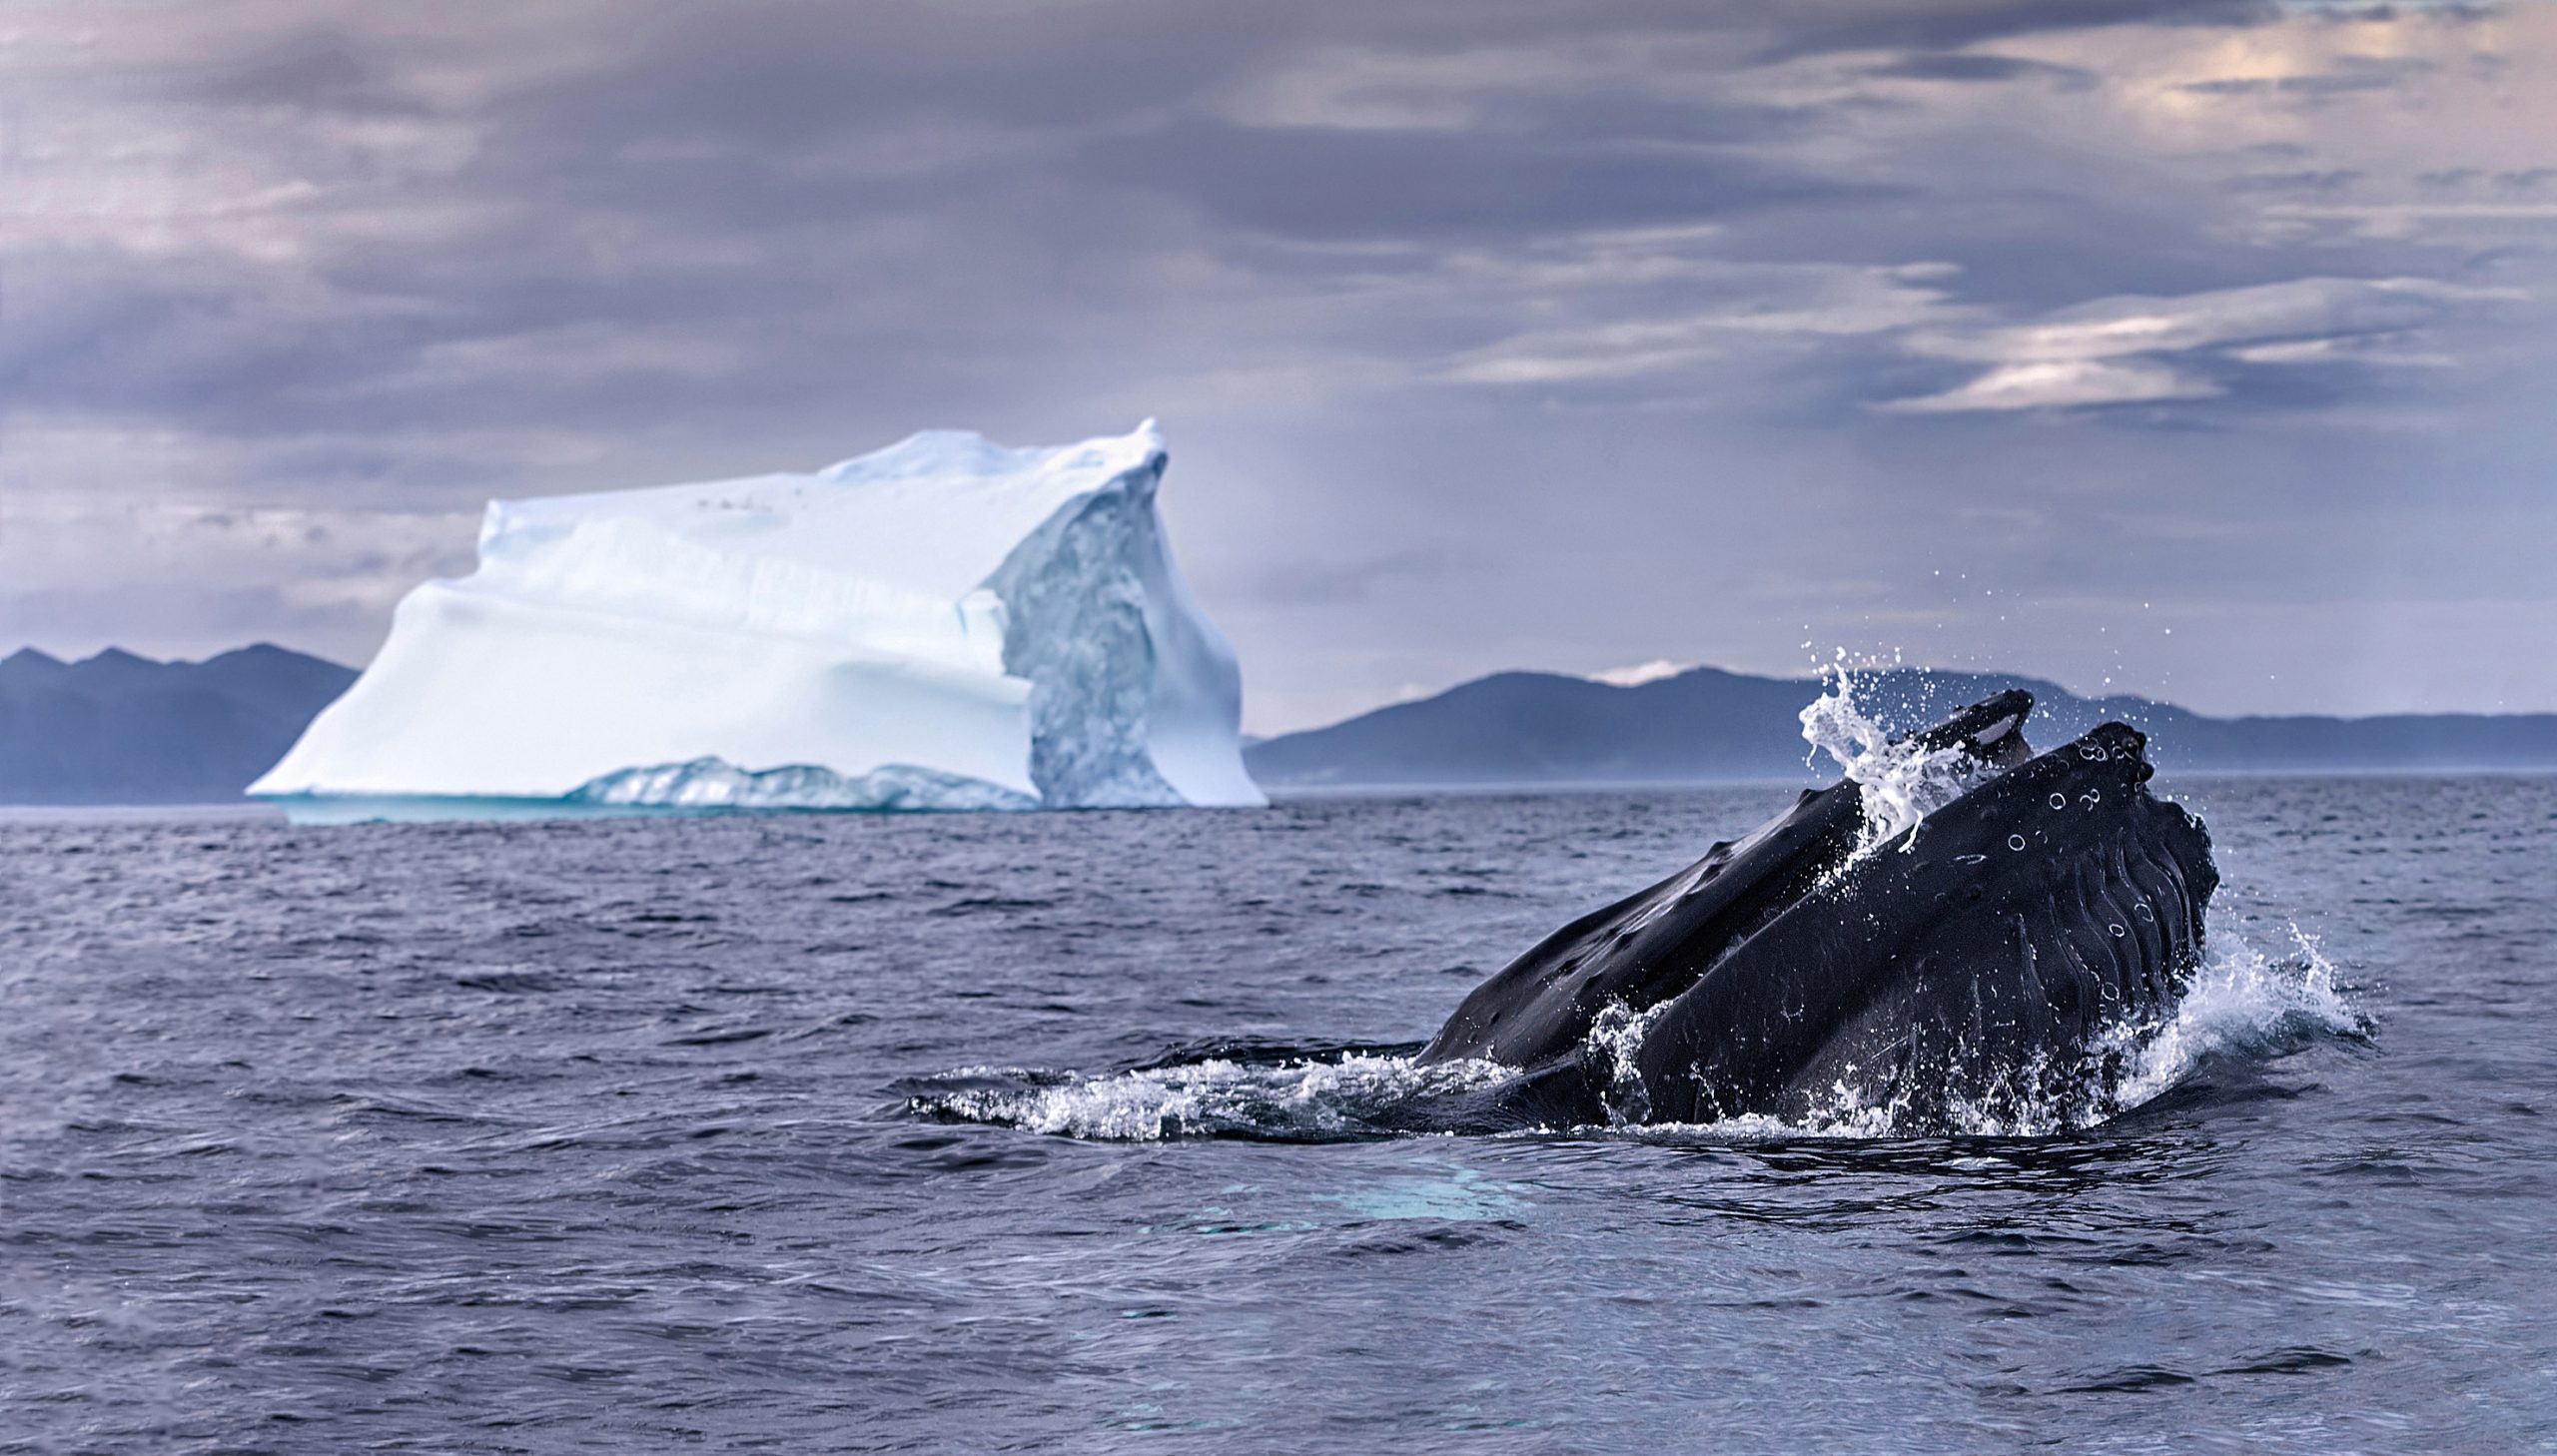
[(1616, 1036), (2241, 1001), (1320, 1098)]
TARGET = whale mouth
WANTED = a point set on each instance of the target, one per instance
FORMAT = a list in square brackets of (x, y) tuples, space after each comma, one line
[(1905, 777)]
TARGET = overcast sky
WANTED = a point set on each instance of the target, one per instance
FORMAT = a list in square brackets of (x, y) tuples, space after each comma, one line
[(2201, 347)]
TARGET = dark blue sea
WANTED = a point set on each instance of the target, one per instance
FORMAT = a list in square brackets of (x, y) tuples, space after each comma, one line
[(806, 1134)]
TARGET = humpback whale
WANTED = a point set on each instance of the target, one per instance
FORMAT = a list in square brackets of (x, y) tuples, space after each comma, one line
[(1985, 956)]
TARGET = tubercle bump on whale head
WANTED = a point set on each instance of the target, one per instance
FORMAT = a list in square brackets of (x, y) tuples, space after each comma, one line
[(2117, 740)]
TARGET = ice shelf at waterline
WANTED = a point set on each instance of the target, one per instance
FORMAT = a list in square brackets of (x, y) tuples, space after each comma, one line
[(944, 625)]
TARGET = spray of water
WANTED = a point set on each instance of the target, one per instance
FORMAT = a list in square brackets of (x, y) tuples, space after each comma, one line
[(1900, 783), (2245, 1000), (1615, 1038)]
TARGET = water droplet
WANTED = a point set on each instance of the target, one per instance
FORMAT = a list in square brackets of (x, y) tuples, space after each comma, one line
[(2118, 931), (2059, 801), (2015, 841)]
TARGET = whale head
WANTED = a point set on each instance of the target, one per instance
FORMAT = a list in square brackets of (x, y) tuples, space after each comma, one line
[(2039, 911)]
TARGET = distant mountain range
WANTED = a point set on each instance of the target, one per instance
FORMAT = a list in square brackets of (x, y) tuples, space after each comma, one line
[(122, 729), (1707, 724)]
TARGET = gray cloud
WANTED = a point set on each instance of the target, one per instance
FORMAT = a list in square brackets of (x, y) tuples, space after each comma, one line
[(1971, 66), (1487, 334)]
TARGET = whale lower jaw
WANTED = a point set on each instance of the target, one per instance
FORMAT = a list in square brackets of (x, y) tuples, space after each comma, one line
[(2010, 997)]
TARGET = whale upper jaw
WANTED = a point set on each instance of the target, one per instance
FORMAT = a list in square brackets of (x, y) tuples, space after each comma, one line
[(1990, 730)]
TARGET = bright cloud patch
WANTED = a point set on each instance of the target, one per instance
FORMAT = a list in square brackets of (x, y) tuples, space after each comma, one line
[(2060, 384), (1641, 672), (2136, 350)]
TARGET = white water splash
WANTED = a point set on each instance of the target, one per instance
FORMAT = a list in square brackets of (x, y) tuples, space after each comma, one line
[(2242, 1002), (1344, 1098), (1616, 1036), (1900, 783)]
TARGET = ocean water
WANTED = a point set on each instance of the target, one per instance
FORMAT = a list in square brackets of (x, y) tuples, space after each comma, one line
[(812, 1134)]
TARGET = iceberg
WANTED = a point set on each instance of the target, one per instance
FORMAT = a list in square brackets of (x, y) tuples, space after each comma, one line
[(943, 624)]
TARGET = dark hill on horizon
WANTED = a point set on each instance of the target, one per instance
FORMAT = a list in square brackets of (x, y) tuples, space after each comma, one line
[(118, 728), (122, 729), (1706, 725)]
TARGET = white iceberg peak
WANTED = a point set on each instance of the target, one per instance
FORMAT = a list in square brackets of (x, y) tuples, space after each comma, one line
[(1004, 622)]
